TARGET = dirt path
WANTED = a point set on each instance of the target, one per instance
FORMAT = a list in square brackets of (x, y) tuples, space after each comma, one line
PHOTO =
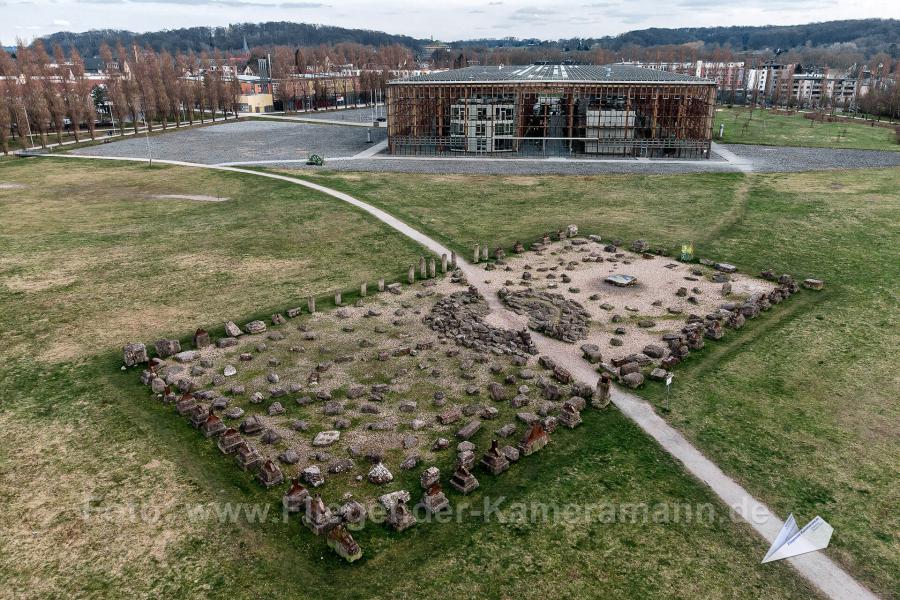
[(817, 568), (737, 211)]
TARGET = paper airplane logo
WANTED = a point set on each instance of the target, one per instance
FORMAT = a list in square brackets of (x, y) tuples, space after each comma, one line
[(792, 540)]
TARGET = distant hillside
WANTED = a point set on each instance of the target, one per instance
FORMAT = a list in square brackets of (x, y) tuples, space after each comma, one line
[(229, 38), (868, 35), (865, 35)]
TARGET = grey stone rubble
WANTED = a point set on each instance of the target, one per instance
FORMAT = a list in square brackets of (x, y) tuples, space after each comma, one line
[(551, 314), (459, 317), (134, 353)]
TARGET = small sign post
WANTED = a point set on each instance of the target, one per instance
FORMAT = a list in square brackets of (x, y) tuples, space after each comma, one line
[(668, 386)]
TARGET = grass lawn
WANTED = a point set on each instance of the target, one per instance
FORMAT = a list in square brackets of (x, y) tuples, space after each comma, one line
[(87, 261), (769, 129), (801, 408), (106, 261)]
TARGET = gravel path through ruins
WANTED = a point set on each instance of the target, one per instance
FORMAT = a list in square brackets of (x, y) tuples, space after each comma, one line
[(816, 567)]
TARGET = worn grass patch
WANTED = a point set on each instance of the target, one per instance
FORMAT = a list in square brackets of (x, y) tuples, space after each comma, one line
[(86, 261), (805, 414), (769, 129)]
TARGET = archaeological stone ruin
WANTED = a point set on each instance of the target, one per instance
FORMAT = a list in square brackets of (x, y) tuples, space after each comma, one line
[(445, 376)]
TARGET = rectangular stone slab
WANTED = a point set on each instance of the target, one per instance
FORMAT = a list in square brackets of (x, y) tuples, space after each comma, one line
[(469, 430)]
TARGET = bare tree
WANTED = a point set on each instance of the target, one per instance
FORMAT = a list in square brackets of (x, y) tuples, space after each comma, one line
[(84, 105), (281, 71), (186, 85), (130, 90), (115, 87), (34, 100), (170, 82), (144, 81), (5, 114), (234, 93), (9, 97), (155, 86), (51, 86), (206, 88)]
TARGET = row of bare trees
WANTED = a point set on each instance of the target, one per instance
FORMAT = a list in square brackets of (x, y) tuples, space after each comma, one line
[(44, 97), (36, 97), (48, 97), (143, 86), (299, 84)]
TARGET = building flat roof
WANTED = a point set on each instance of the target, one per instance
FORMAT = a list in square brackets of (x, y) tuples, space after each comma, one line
[(615, 73)]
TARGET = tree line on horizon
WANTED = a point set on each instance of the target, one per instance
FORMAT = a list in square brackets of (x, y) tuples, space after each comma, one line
[(863, 37)]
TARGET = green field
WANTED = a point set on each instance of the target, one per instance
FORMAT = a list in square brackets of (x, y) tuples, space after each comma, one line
[(760, 126), (801, 409), (88, 260)]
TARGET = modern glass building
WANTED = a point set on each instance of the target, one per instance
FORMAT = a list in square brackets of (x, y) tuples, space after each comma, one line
[(552, 110)]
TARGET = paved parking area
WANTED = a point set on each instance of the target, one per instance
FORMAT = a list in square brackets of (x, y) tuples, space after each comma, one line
[(353, 115), (287, 144), (249, 140)]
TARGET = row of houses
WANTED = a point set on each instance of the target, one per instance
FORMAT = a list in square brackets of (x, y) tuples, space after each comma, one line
[(780, 83)]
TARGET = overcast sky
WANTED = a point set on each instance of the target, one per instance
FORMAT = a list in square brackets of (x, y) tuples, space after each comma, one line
[(442, 19)]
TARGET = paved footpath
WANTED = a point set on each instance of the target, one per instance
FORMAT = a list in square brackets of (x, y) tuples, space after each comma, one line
[(816, 567)]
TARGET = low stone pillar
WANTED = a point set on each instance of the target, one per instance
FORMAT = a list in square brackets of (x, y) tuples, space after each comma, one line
[(422, 272), (311, 304), (411, 276), (452, 259), (201, 339), (432, 268), (338, 299), (443, 263), (363, 290), (477, 252), (484, 252), (381, 284)]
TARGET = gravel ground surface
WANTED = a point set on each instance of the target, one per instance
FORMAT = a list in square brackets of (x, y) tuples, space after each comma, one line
[(244, 141), (658, 280), (260, 140), (765, 159), (782, 158), (356, 115), (513, 167)]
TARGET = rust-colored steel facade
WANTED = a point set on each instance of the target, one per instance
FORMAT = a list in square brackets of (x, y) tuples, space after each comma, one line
[(536, 111)]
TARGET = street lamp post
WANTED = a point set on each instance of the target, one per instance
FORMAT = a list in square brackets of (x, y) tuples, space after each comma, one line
[(147, 136), (28, 122)]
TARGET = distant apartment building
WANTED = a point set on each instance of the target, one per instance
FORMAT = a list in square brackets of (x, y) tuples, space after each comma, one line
[(727, 75), (803, 86), (767, 80), (256, 97), (841, 90), (807, 88)]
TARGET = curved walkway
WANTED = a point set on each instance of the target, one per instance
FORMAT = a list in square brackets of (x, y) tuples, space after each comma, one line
[(816, 567)]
